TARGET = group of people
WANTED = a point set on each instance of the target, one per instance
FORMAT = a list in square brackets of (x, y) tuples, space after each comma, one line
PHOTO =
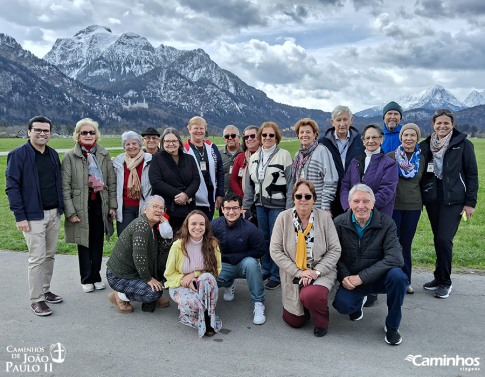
[(345, 208)]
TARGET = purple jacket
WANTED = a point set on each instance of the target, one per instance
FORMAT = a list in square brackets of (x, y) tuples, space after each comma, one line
[(381, 176)]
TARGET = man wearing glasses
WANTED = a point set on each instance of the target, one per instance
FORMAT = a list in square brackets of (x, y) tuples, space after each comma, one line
[(392, 115), (242, 244), (151, 140), (35, 196), (229, 154)]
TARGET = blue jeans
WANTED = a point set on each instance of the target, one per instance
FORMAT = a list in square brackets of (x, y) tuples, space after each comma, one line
[(247, 269), (406, 223), (266, 219), (394, 283)]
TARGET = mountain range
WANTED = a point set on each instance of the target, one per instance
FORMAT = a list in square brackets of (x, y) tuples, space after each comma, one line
[(98, 74)]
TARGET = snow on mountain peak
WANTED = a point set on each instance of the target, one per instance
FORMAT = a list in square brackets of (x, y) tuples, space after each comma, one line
[(92, 29)]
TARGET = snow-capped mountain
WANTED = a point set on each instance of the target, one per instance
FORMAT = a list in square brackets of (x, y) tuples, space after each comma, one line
[(97, 57), (475, 99), (186, 83), (433, 98)]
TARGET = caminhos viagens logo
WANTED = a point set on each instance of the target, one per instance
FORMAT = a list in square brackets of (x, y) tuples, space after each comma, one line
[(467, 364)]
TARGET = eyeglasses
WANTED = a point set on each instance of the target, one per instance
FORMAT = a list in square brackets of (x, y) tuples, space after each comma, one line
[(443, 112), (38, 131), (252, 136), (156, 207), (372, 138), (230, 136), (84, 133), (171, 142), (229, 209), (266, 135), (300, 196)]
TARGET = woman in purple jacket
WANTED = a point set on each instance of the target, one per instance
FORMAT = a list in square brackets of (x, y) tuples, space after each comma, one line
[(375, 169)]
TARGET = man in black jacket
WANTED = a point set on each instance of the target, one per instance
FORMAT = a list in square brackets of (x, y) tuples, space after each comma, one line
[(344, 143), (370, 262), (242, 243)]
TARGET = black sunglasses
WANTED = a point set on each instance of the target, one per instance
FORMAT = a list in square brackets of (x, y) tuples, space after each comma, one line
[(252, 136), (233, 136), (443, 112), (84, 133), (300, 196), (270, 135)]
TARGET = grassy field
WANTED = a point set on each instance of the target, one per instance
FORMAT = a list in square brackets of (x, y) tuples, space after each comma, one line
[(468, 243)]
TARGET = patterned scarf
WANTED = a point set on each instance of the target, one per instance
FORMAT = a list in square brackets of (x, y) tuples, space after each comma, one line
[(304, 238), (301, 158), (407, 168), (95, 179), (134, 184), (438, 148)]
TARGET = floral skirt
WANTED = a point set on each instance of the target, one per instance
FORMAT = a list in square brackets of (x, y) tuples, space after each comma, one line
[(192, 304)]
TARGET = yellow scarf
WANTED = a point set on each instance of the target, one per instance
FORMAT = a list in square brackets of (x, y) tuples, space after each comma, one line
[(301, 248)]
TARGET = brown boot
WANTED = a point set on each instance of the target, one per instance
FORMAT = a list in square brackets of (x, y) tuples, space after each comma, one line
[(162, 302), (122, 306)]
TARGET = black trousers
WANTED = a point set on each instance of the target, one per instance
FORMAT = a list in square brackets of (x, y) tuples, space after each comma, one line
[(444, 221), (130, 213), (90, 257)]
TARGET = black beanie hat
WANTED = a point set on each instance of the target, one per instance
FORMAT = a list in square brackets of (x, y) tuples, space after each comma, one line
[(392, 106)]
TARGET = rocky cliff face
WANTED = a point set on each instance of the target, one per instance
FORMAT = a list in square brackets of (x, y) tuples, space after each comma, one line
[(186, 83)]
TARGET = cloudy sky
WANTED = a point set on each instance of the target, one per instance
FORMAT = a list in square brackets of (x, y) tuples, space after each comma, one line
[(314, 53)]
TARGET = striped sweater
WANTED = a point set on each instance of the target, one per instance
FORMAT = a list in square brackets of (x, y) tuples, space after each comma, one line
[(320, 170)]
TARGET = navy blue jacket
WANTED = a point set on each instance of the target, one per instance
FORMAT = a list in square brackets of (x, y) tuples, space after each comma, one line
[(23, 188), (238, 241), (356, 148)]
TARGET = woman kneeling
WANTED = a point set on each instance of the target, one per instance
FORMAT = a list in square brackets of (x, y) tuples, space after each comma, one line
[(193, 265), (132, 267), (306, 248)]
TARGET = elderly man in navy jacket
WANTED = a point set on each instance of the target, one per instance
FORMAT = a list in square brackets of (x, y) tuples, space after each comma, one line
[(35, 196), (242, 244)]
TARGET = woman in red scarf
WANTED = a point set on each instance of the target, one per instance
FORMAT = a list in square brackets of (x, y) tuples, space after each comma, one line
[(89, 191)]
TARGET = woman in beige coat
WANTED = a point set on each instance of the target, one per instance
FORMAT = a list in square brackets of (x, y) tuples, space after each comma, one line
[(89, 191), (306, 248)]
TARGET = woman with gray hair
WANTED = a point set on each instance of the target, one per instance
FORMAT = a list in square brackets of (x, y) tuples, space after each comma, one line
[(373, 168), (89, 192), (132, 268), (132, 183), (174, 175)]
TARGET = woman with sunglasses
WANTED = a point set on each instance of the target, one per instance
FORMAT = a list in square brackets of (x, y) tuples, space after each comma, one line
[(313, 162), (268, 188), (174, 176), (306, 247), (449, 190), (132, 183), (249, 146), (89, 192)]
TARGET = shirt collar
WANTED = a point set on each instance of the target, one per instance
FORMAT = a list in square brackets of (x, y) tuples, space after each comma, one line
[(337, 138)]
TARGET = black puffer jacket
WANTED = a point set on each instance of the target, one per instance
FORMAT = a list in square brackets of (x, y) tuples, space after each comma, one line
[(372, 256), (460, 172)]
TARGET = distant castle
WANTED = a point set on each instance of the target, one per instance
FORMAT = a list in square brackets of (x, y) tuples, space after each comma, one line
[(138, 105)]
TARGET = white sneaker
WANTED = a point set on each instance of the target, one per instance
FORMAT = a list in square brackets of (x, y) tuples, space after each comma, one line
[(258, 311), (88, 287), (229, 293), (99, 285)]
